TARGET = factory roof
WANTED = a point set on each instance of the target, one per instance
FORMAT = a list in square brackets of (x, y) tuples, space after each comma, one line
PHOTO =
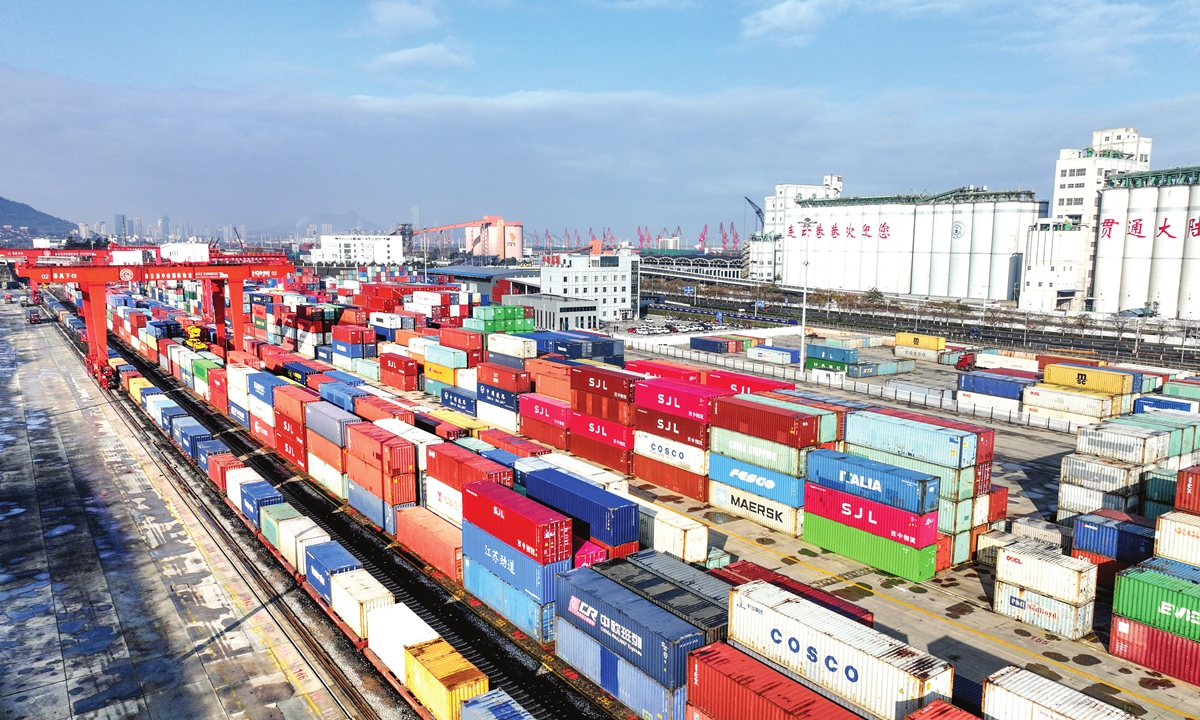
[(478, 272), (958, 195), (1155, 178)]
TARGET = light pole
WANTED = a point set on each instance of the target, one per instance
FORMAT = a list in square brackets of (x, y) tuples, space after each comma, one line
[(804, 225), (1025, 339)]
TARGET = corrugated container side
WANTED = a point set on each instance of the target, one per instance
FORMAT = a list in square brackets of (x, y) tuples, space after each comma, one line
[(887, 555), (900, 488), (494, 705), (514, 567), (1050, 573), (764, 453), (682, 573), (1015, 693), (906, 528), (1070, 621), (939, 445), (756, 508), (431, 538), (441, 678), (354, 594), (531, 617), (1156, 649), (1160, 600), (953, 483), (396, 627), (773, 485)]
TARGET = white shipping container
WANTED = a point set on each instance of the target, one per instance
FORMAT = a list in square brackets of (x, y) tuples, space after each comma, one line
[(1039, 529), (979, 509), (869, 670), (669, 532), (1015, 693), (235, 479), (916, 353), (756, 508), (295, 535), (354, 595), (443, 500), (262, 411), (236, 377), (329, 477), (671, 452), (761, 354), (497, 416), (1124, 442), (1087, 404), (512, 345), (1047, 571), (992, 401), (1099, 473), (986, 361), (989, 543), (1078, 499), (1033, 608), (1063, 416), (1178, 537), (467, 379), (393, 628), (419, 344), (828, 377)]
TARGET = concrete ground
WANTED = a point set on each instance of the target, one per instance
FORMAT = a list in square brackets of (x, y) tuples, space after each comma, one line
[(116, 601)]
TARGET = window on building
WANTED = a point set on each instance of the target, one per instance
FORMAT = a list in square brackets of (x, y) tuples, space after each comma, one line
[(1028, 283), (1060, 201), (1099, 171), (1063, 173), (1039, 284)]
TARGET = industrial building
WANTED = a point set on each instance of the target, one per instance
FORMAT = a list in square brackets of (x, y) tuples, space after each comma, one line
[(357, 249), (555, 312), (607, 281)]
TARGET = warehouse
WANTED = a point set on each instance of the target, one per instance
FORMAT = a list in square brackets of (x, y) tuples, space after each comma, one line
[(552, 312)]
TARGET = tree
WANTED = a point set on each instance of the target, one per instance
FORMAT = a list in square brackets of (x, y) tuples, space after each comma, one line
[(1082, 322), (873, 297)]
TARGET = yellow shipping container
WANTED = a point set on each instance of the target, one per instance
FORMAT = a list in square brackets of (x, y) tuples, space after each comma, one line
[(1090, 378), (460, 419), (441, 373), (930, 342), (441, 678), (136, 385), (116, 362)]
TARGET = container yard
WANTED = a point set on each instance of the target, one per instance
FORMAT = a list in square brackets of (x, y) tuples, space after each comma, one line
[(469, 517)]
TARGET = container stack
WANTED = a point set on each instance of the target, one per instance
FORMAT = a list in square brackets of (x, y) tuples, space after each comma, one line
[(352, 343), (671, 420), (840, 359), (1001, 390), (450, 468), (602, 416), (1182, 388), (1040, 586), (604, 518), (1082, 394), (398, 371), (919, 347), (512, 549), (381, 472), (499, 319), (1112, 541), (325, 436)]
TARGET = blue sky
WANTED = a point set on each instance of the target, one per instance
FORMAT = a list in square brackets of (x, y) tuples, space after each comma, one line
[(576, 113)]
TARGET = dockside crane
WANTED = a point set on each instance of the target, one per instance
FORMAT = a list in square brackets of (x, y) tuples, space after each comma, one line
[(762, 219)]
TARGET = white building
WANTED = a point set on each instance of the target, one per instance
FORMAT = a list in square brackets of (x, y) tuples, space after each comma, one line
[(359, 249), (1054, 267), (764, 253), (611, 281), (185, 252)]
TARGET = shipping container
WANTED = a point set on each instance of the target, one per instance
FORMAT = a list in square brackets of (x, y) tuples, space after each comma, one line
[(546, 409), (646, 636), (354, 595), (295, 535), (1164, 594), (670, 452), (329, 421), (599, 514), (494, 705), (532, 528), (770, 484), (691, 607), (941, 710), (270, 518), (441, 678), (763, 453), (675, 397), (924, 341), (611, 434), (766, 420), (915, 565), (940, 445), (915, 353), (756, 508), (953, 483), (524, 573), (670, 477), (864, 668), (1179, 537), (325, 560), (531, 617), (894, 486), (1079, 500), (1048, 572), (1187, 489), (1123, 540), (1099, 473), (1125, 443), (1072, 622), (906, 528), (682, 573), (615, 384), (829, 422), (739, 383), (1015, 693), (1089, 377), (432, 539), (396, 627)]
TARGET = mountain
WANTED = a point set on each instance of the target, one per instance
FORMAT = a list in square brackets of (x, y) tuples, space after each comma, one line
[(342, 222), (39, 223)]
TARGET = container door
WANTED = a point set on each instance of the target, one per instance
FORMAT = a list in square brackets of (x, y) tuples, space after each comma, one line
[(608, 672)]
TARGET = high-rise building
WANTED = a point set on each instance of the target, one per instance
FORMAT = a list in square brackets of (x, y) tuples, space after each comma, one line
[(138, 230), (164, 228), (118, 229)]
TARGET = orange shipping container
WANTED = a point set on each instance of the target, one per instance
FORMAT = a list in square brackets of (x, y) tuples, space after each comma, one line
[(555, 387)]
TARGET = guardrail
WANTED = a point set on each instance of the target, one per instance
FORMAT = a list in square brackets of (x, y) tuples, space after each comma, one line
[(850, 385)]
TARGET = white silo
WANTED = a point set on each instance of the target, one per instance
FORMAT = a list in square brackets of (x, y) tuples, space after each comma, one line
[(959, 270), (922, 249), (1011, 223), (939, 264), (982, 228), (1170, 231), (1139, 246), (1110, 250), (895, 235), (1189, 276), (836, 246), (867, 217)]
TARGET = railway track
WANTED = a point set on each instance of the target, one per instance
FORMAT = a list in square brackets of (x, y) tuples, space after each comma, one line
[(535, 686)]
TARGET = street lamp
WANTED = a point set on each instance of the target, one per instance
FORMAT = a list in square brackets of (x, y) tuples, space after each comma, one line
[(805, 225)]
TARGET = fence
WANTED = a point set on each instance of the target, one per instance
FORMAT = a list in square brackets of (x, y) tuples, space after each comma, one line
[(837, 381)]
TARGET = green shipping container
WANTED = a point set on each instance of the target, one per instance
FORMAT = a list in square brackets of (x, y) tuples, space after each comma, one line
[(475, 445), (1158, 600), (272, 515), (200, 368), (756, 451), (954, 516), (1160, 486), (819, 364), (1177, 440), (1151, 509), (960, 550), (955, 484), (827, 420), (367, 367), (886, 555), (1183, 390)]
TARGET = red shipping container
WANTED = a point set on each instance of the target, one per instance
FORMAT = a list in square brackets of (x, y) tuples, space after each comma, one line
[(218, 379), (671, 427), (552, 386), (605, 408), (602, 453), (729, 685), (839, 410), (314, 382), (480, 469), (941, 710), (620, 551), (327, 452), (1156, 649), (450, 431), (552, 435), (290, 428), (998, 503), (370, 407), (986, 445), (1187, 489), (691, 712), (380, 448), (219, 400), (505, 378), (609, 383), (432, 539), (750, 571), (290, 400), (461, 339), (900, 526), (368, 477), (674, 397), (586, 553), (945, 553), (398, 363), (1106, 567), (656, 369), (532, 528), (607, 433), (727, 577), (786, 427), (740, 384), (1009, 372), (1126, 517), (353, 334), (219, 465), (677, 480), (983, 478), (1044, 360), (398, 381), (545, 408), (295, 452), (262, 432)]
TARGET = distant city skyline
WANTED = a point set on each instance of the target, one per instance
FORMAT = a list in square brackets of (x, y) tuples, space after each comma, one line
[(577, 114)]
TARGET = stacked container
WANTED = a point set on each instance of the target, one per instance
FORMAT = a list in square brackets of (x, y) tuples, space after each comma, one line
[(606, 519), (1083, 394), (671, 420), (449, 469), (381, 472), (1112, 541), (602, 416), (1040, 586)]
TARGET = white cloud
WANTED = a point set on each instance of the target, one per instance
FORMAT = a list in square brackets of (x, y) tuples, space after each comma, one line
[(401, 17), (430, 56)]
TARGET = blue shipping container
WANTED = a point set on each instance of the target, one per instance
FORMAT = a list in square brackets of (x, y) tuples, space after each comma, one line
[(446, 357), (1174, 568), (533, 619), (1122, 540), (514, 567), (257, 495), (606, 517), (893, 486), (497, 396), (508, 361), (188, 433), (524, 466), (939, 445), (363, 501), (340, 394), (837, 354), (494, 705), (325, 560), (262, 386), (650, 638), (986, 383), (239, 415), (349, 350), (503, 457), (460, 399), (1140, 405), (435, 388), (709, 345), (770, 484), (329, 421), (167, 412), (345, 378), (147, 393), (325, 353), (208, 448)]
